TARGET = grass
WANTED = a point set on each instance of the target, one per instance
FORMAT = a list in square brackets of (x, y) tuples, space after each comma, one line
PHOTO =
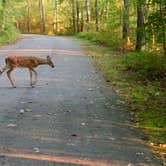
[(140, 78)]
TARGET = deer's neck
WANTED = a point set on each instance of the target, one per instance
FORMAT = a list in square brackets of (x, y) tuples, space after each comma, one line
[(42, 61)]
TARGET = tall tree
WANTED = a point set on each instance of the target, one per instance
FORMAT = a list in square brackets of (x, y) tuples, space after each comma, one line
[(73, 16), (28, 16), (77, 14), (43, 15), (162, 7), (87, 13), (126, 20), (56, 28), (2, 14), (140, 35), (97, 15), (82, 17)]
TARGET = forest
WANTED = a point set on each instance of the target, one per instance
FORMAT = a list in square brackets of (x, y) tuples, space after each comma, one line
[(132, 31), (125, 24)]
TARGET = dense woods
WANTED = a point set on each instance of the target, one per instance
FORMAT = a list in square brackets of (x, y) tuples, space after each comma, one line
[(135, 24)]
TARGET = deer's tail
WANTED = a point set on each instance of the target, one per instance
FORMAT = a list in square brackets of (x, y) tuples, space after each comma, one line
[(3, 69)]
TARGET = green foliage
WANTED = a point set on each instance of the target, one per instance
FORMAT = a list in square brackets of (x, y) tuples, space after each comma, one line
[(147, 65), (8, 33), (104, 38)]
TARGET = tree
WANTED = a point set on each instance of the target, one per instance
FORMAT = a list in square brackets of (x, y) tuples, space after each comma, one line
[(140, 35), (43, 19), (56, 16), (77, 15), (87, 13), (96, 15), (126, 20)]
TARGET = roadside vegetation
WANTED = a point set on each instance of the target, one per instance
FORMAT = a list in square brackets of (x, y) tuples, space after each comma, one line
[(140, 80), (8, 32), (129, 46)]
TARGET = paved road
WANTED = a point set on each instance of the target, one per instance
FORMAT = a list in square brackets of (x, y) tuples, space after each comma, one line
[(71, 118)]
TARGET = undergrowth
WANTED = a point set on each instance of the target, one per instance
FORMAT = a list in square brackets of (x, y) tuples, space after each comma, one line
[(106, 38), (8, 33), (140, 78)]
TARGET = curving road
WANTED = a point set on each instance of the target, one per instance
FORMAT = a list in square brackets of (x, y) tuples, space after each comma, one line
[(71, 117)]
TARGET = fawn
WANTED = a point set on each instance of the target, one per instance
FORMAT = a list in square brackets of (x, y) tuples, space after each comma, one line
[(29, 62)]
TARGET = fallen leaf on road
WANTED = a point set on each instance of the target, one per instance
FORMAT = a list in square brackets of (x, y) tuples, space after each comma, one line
[(83, 124), (36, 150), (28, 110), (11, 125), (139, 153), (22, 102), (22, 111), (70, 144), (90, 89)]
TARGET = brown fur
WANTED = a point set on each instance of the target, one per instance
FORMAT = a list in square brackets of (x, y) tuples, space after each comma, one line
[(29, 62)]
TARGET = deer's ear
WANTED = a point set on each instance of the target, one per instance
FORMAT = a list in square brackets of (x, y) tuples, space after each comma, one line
[(48, 57)]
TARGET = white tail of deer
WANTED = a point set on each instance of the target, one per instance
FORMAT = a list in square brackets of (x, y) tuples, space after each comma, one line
[(29, 62)]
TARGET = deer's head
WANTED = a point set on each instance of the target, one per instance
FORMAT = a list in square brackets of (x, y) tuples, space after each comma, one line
[(49, 61)]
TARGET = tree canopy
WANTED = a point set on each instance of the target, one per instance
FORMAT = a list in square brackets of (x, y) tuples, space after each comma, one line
[(127, 23)]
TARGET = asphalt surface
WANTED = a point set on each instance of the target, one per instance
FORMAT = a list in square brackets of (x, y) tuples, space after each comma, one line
[(71, 118)]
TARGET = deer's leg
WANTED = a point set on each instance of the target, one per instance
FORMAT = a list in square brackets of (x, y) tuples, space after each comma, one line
[(32, 69), (8, 74), (30, 72)]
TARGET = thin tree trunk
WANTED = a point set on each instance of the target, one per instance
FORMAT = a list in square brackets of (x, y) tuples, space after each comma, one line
[(162, 8), (82, 17), (87, 14), (2, 23), (43, 16), (96, 15), (28, 18), (107, 9), (78, 18), (56, 28), (140, 39), (73, 16), (126, 20)]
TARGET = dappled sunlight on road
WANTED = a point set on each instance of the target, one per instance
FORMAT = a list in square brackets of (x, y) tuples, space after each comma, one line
[(57, 159)]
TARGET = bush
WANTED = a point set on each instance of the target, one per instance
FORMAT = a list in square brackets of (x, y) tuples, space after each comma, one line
[(147, 65), (8, 33), (103, 37)]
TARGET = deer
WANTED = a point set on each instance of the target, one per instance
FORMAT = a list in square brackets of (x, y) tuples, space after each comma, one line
[(30, 62)]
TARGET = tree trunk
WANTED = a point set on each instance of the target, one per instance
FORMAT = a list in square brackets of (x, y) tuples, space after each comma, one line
[(28, 17), (43, 19), (73, 16), (140, 36), (96, 15), (78, 18), (162, 8), (2, 14), (56, 28), (82, 17), (107, 9), (87, 14), (126, 20)]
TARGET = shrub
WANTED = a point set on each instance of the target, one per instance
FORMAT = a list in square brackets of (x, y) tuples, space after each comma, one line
[(8, 33), (103, 37), (147, 65)]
